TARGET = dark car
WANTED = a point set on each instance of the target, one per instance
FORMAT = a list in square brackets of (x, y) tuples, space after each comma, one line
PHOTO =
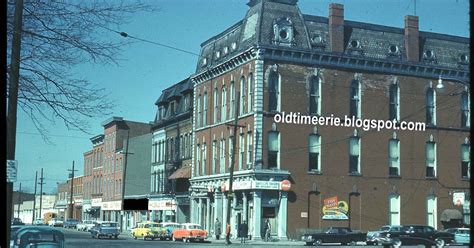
[(376, 237), (37, 236), (418, 235), (343, 235), (105, 229), (17, 222), (70, 223)]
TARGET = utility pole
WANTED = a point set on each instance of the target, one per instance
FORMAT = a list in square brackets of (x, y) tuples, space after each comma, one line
[(41, 192), (13, 101), (231, 168), (19, 202), (124, 172), (34, 198), (71, 205)]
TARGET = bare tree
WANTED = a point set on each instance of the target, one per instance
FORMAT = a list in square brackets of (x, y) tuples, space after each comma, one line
[(58, 35)]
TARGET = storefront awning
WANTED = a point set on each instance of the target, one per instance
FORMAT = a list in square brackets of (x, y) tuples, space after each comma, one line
[(451, 214), (183, 172)]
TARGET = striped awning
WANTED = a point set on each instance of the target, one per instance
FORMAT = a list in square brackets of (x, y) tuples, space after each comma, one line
[(183, 172)]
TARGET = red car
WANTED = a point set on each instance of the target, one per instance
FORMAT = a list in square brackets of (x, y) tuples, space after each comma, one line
[(189, 232)]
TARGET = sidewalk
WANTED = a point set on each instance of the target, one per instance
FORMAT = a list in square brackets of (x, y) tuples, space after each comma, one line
[(257, 242)]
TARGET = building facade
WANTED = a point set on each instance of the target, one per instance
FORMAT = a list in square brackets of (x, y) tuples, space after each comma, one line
[(26, 208), (278, 62), (93, 165)]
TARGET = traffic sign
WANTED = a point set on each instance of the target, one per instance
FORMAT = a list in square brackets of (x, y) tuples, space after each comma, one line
[(12, 166)]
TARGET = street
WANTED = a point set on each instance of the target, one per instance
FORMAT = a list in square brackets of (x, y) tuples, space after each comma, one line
[(83, 239)]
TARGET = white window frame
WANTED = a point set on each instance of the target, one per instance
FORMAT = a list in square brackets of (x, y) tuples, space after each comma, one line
[(433, 91), (222, 152), (357, 97), (241, 151), (243, 91), (278, 93), (205, 107), (214, 157), (232, 100), (198, 159), (466, 96), (224, 104), (357, 137), (313, 94), (317, 150), (249, 149), (431, 211), (394, 213), (394, 163), (395, 86), (250, 87), (216, 105), (434, 164)]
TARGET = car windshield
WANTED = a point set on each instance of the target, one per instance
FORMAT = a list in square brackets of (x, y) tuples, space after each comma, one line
[(463, 231), (194, 227), (385, 228), (109, 224)]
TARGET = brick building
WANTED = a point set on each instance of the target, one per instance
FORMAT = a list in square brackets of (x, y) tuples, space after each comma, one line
[(92, 181), (277, 60)]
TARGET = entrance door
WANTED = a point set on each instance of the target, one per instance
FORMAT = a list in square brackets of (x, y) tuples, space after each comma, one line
[(269, 213)]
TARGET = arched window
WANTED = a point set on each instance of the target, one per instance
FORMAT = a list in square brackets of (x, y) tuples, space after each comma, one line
[(430, 158), (232, 100), (205, 104), (250, 94), (314, 151), (274, 92), (354, 153), (224, 104), (315, 95), (216, 105), (243, 91), (198, 116), (273, 148)]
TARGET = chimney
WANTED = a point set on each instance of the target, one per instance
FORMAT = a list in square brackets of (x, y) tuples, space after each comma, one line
[(412, 38), (336, 27)]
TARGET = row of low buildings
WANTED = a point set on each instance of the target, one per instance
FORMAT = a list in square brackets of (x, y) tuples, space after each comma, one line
[(276, 59)]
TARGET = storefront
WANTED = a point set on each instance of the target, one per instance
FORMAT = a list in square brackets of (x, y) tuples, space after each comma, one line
[(163, 209), (111, 210)]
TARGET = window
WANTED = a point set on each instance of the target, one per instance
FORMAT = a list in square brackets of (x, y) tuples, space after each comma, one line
[(232, 100), (274, 92), (198, 158), (465, 111), (314, 150), (222, 156), (394, 156), (315, 96), (465, 160), (431, 158), (231, 150), (216, 105), (273, 148), (204, 159), (198, 116), (354, 154), (172, 108), (204, 118), (214, 157), (355, 101), (224, 104), (394, 216), (249, 150), (430, 106), (242, 151), (431, 215), (250, 94), (394, 111), (242, 106)]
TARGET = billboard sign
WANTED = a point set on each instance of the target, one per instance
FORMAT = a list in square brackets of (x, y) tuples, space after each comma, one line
[(333, 209)]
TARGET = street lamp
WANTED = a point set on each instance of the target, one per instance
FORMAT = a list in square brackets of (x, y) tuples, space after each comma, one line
[(440, 86), (314, 191), (354, 192)]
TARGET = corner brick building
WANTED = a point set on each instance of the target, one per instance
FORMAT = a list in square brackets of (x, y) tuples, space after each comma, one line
[(281, 60)]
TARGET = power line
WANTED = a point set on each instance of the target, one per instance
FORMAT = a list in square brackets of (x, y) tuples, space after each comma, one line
[(54, 135)]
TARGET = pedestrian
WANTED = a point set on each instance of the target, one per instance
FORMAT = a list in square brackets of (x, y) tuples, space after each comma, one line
[(268, 230), (243, 232), (217, 229)]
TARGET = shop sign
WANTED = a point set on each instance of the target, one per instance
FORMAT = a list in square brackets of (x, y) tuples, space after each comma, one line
[(12, 166), (240, 185), (162, 205), (271, 185), (304, 214), (96, 202), (112, 205), (458, 198), (333, 209), (285, 185)]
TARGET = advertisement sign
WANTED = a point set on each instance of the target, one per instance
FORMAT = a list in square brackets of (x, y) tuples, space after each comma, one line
[(334, 209), (240, 185), (112, 205), (162, 205), (96, 202), (272, 185), (12, 166), (458, 198)]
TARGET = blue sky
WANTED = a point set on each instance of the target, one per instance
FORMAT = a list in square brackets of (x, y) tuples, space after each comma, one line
[(145, 69)]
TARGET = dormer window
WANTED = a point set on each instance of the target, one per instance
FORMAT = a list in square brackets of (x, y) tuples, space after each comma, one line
[(317, 41), (429, 55), (218, 54), (283, 33), (464, 59), (233, 46), (204, 61), (393, 50), (225, 51)]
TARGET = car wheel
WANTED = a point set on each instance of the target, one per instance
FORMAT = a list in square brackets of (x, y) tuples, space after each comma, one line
[(115, 236), (318, 242), (439, 242), (134, 237), (98, 236)]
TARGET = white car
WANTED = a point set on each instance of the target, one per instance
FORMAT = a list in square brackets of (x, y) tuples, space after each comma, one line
[(39, 222), (85, 225), (55, 222)]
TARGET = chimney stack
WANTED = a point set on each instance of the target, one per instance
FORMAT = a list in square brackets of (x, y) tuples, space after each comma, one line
[(336, 27), (412, 38)]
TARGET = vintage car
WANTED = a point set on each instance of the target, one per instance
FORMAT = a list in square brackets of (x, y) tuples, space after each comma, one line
[(85, 225), (70, 223), (189, 232), (37, 236), (39, 222), (56, 222), (461, 235), (170, 226), (105, 229), (343, 235), (375, 237), (417, 235), (149, 230)]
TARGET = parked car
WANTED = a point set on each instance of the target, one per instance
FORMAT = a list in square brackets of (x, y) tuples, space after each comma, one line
[(13, 230), (189, 232), (105, 229), (85, 225), (418, 235), (170, 226), (71, 223), (461, 235), (343, 235), (149, 230), (38, 236), (56, 222), (375, 237), (17, 222), (39, 222)]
